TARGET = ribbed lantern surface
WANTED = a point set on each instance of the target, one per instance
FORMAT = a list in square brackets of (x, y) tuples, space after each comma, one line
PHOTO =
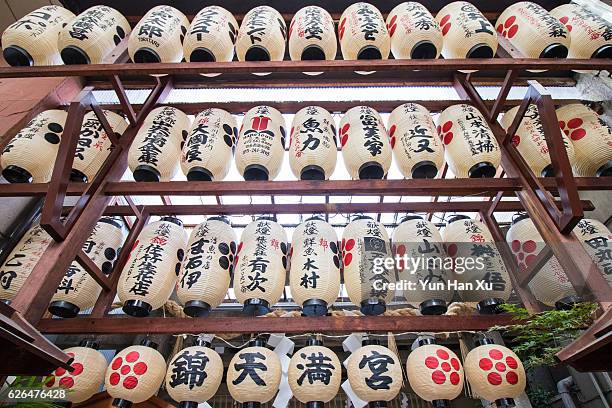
[(435, 373), (414, 33), (262, 35), (254, 375), (596, 239), (312, 35), (314, 374), (211, 36), (363, 33), (374, 373)]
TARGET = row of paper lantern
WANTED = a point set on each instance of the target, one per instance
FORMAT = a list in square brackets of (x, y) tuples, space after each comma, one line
[(51, 35), (204, 149), (374, 372)]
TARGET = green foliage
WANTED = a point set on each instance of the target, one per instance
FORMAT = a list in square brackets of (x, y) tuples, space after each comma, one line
[(539, 397)]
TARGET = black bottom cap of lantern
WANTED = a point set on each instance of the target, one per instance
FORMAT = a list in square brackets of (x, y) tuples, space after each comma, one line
[(121, 403), (64, 309), (315, 404), (146, 173), (548, 171), (605, 170), (251, 404), (555, 51), (433, 307), (16, 56), (202, 54), (145, 54), (312, 53), (72, 55), (490, 306), (137, 308), (369, 52), (256, 307), (199, 174), (254, 172), (505, 403), (377, 404), (440, 403), (371, 171), (314, 307), (567, 302), (482, 170), (16, 174), (312, 173), (256, 53), (424, 170), (196, 308), (372, 307), (480, 51), (77, 176), (603, 52), (188, 404), (424, 50)]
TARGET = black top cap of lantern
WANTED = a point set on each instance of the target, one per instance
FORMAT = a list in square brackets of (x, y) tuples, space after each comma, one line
[(361, 217), (370, 342), (483, 341), (457, 218), (201, 341), (89, 343), (173, 220), (221, 218), (314, 218), (258, 342), (425, 340), (409, 217), (519, 217), (112, 221), (266, 218), (149, 343), (313, 341)]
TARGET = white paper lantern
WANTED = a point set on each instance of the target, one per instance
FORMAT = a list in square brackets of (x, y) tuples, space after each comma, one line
[(92, 35), (596, 239), (470, 147), (312, 35), (209, 263), (262, 35), (261, 144), (208, 150), (417, 149), (312, 144), (30, 155), (32, 40), (363, 33), (414, 33), (150, 275), (314, 277), (211, 36)]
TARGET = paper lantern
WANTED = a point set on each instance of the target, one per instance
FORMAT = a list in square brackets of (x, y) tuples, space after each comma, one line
[(208, 150), (261, 144), (529, 140), (363, 242), (314, 374), (467, 32), (87, 375), (374, 374), (312, 144), (550, 284), (366, 149), (30, 155), (135, 374), (156, 150), (21, 260), (78, 290), (209, 263), (94, 146), (417, 240), (414, 33), (312, 35), (158, 36), (92, 35), (262, 35), (417, 149), (314, 277), (254, 375), (32, 40), (470, 147), (261, 266), (363, 33), (495, 373), (484, 279), (194, 375), (150, 275), (591, 138), (435, 373), (596, 237)]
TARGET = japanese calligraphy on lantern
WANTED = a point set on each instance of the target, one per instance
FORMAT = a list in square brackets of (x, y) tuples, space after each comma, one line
[(194, 374), (374, 373)]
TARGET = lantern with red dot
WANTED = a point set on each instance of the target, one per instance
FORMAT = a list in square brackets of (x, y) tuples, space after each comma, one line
[(434, 372), (495, 373), (358, 43), (591, 137), (87, 374), (597, 240), (414, 33), (135, 374)]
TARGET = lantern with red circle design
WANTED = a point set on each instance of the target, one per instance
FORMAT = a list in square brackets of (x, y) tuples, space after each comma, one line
[(135, 374), (596, 238), (414, 33)]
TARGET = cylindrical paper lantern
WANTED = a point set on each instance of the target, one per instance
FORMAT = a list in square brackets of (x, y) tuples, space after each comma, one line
[(470, 147), (550, 284), (94, 146), (156, 150), (597, 240), (209, 262), (194, 375), (92, 35), (363, 242), (417, 240), (135, 374), (261, 144), (591, 137), (211, 36), (314, 374), (467, 32), (152, 270), (529, 140), (208, 150), (414, 33), (254, 375), (363, 33), (314, 277), (21, 261), (78, 290), (417, 148), (32, 40), (366, 149), (495, 373), (485, 280), (261, 266), (158, 36), (435, 373), (87, 375), (312, 144), (30, 155), (312, 35), (262, 35)]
